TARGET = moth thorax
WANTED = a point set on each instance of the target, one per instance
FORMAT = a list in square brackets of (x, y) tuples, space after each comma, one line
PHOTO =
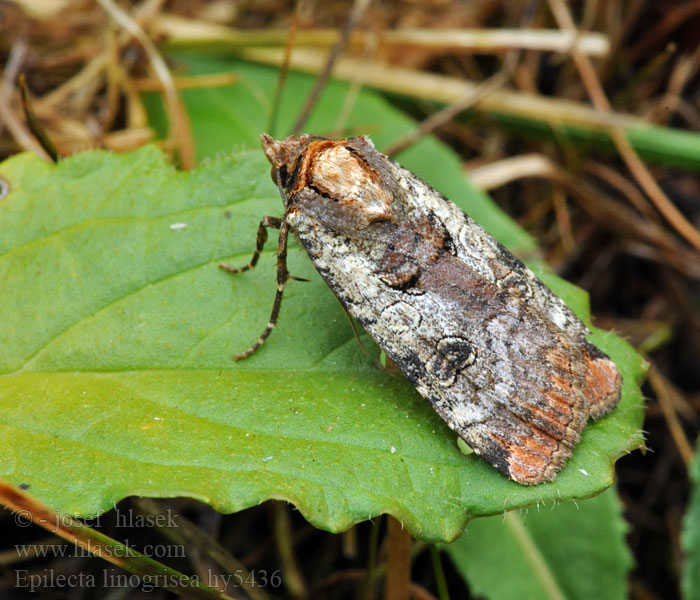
[(343, 176)]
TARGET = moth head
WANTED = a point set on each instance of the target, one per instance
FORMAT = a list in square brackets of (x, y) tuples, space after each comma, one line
[(283, 153)]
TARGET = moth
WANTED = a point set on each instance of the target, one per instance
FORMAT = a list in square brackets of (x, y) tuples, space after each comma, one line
[(500, 358)]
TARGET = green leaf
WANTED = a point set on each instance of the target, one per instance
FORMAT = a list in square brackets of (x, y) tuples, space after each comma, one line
[(118, 329), (571, 550), (690, 580)]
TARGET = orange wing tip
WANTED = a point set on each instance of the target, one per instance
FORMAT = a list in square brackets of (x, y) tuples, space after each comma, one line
[(534, 460), (531, 462), (603, 384)]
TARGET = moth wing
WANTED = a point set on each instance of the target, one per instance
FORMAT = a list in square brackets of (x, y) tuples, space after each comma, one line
[(454, 356), (485, 256), (472, 244), (500, 358)]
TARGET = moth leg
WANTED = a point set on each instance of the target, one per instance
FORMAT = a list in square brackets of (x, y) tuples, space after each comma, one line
[(261, 238), (282, 278)]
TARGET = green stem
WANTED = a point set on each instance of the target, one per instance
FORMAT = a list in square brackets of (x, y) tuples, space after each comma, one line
[(534, 557), (443, 593)]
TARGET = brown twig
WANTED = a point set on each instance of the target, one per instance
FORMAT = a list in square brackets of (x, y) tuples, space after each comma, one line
[(398, 575)]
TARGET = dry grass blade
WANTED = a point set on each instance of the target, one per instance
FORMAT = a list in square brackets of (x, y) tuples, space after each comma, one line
[(497, 174), (671, 21), (187, 533), (631, 158), (624, 186), (186, 83), (284, 69), (358, 7), (179, 118), (656, 244), (665, 394), (472, 97), (183, 33), (8, 117), (293, 577), (102, 546), (33, 123), (427, 86), (84, 78), (490, 40)]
